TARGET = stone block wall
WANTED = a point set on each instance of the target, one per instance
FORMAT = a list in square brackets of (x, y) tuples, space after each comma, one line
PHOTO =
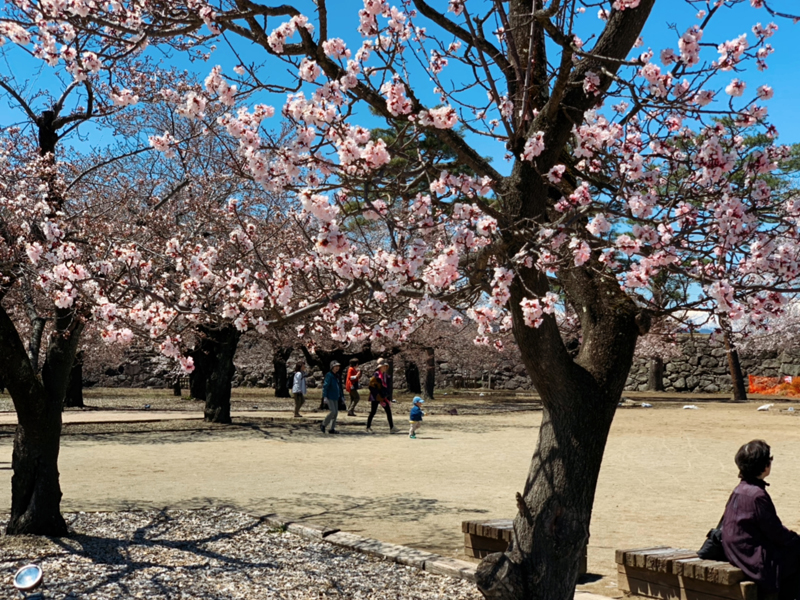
[(702, 366)]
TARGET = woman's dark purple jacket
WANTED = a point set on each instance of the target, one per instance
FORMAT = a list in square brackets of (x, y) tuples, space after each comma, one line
[(754, 538)]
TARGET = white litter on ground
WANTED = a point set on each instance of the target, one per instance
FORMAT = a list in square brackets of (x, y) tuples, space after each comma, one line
[(690, 407)]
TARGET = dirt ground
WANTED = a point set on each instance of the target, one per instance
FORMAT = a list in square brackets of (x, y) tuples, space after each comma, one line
[(665, 478)]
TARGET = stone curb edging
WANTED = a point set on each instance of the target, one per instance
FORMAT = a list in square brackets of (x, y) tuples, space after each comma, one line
[(419, 559)]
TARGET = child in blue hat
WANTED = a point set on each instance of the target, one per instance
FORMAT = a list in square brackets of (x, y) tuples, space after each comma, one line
[(415, 417)]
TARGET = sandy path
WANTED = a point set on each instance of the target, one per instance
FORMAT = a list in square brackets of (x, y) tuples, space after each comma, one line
[(665, 478)]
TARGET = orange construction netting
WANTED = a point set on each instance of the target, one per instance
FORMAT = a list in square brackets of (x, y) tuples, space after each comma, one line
[(782, 386)]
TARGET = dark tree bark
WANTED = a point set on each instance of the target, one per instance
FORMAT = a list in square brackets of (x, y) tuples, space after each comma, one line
[(74, 395), (430, 373), (198, 377), (35, 487), (580, 394), (655, 375), (579, 401), (412, 378), (281, 379), (176, 387), (735, 369), (219, 346), (37, 326)]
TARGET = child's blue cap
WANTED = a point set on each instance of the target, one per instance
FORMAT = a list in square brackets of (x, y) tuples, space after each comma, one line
[(418, 400)]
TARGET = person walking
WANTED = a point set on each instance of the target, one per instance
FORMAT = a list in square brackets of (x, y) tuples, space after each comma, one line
[(352, 384), (380, 394), (332, 394), (299, 387), (415, 417)]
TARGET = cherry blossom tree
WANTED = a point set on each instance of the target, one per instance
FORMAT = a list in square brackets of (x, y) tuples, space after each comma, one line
[(622, 164), (43, 272), (28, 187)]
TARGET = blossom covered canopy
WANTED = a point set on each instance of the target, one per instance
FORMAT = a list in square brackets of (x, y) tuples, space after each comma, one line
[(653, 175)]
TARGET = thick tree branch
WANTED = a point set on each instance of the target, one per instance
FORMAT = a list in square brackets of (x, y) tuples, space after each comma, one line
[(465, 36)]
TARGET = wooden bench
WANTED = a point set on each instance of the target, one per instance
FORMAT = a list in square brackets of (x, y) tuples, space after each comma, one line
[(677, 574), (482, 538)]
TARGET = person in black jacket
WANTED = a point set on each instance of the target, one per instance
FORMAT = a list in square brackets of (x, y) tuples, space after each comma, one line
[(753, 536), (380, 393)]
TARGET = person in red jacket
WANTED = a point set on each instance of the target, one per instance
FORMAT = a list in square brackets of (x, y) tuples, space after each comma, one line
[(352, 384), (753, 536)]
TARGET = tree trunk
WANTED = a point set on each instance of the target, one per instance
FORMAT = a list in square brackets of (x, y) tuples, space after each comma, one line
[(281, 378), (552, 525), (735, 369), (219, 345), (412, 378), (198, 377), (430, 373), (35, 487), (176, 387), (655, 376), (580, 394), (74, 395), (579, 398)]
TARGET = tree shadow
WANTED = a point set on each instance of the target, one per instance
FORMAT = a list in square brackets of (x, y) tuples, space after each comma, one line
[(172, 432), (134, 554), (331, 508)]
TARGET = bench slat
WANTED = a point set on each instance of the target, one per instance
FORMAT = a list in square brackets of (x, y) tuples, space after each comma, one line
[(663, 562), (651, 584), (727, 574), (680, 561), (637, 558), (684, 566), (620, 555), (496, 529)]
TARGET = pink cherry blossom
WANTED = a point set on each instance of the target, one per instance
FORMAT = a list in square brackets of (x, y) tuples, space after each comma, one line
[(735, 88), (533, 146), (444, 117), (591, 82), (309, 70)]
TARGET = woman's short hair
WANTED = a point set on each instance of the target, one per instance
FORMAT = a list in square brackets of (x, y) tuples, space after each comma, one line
[(753, 459), (299, 366)]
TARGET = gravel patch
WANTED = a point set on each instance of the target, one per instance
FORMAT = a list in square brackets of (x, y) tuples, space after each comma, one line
[(211, 554)]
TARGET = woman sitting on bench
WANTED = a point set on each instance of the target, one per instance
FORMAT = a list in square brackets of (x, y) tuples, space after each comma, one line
[(753, 536)]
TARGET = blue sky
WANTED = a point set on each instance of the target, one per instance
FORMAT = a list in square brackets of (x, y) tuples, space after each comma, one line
[(343, 20)]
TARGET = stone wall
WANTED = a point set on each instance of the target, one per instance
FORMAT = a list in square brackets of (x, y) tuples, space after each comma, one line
[(138, 366), (702, 366)]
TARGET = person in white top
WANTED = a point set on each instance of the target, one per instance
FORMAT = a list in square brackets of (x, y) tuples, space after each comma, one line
[(299, 387)]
